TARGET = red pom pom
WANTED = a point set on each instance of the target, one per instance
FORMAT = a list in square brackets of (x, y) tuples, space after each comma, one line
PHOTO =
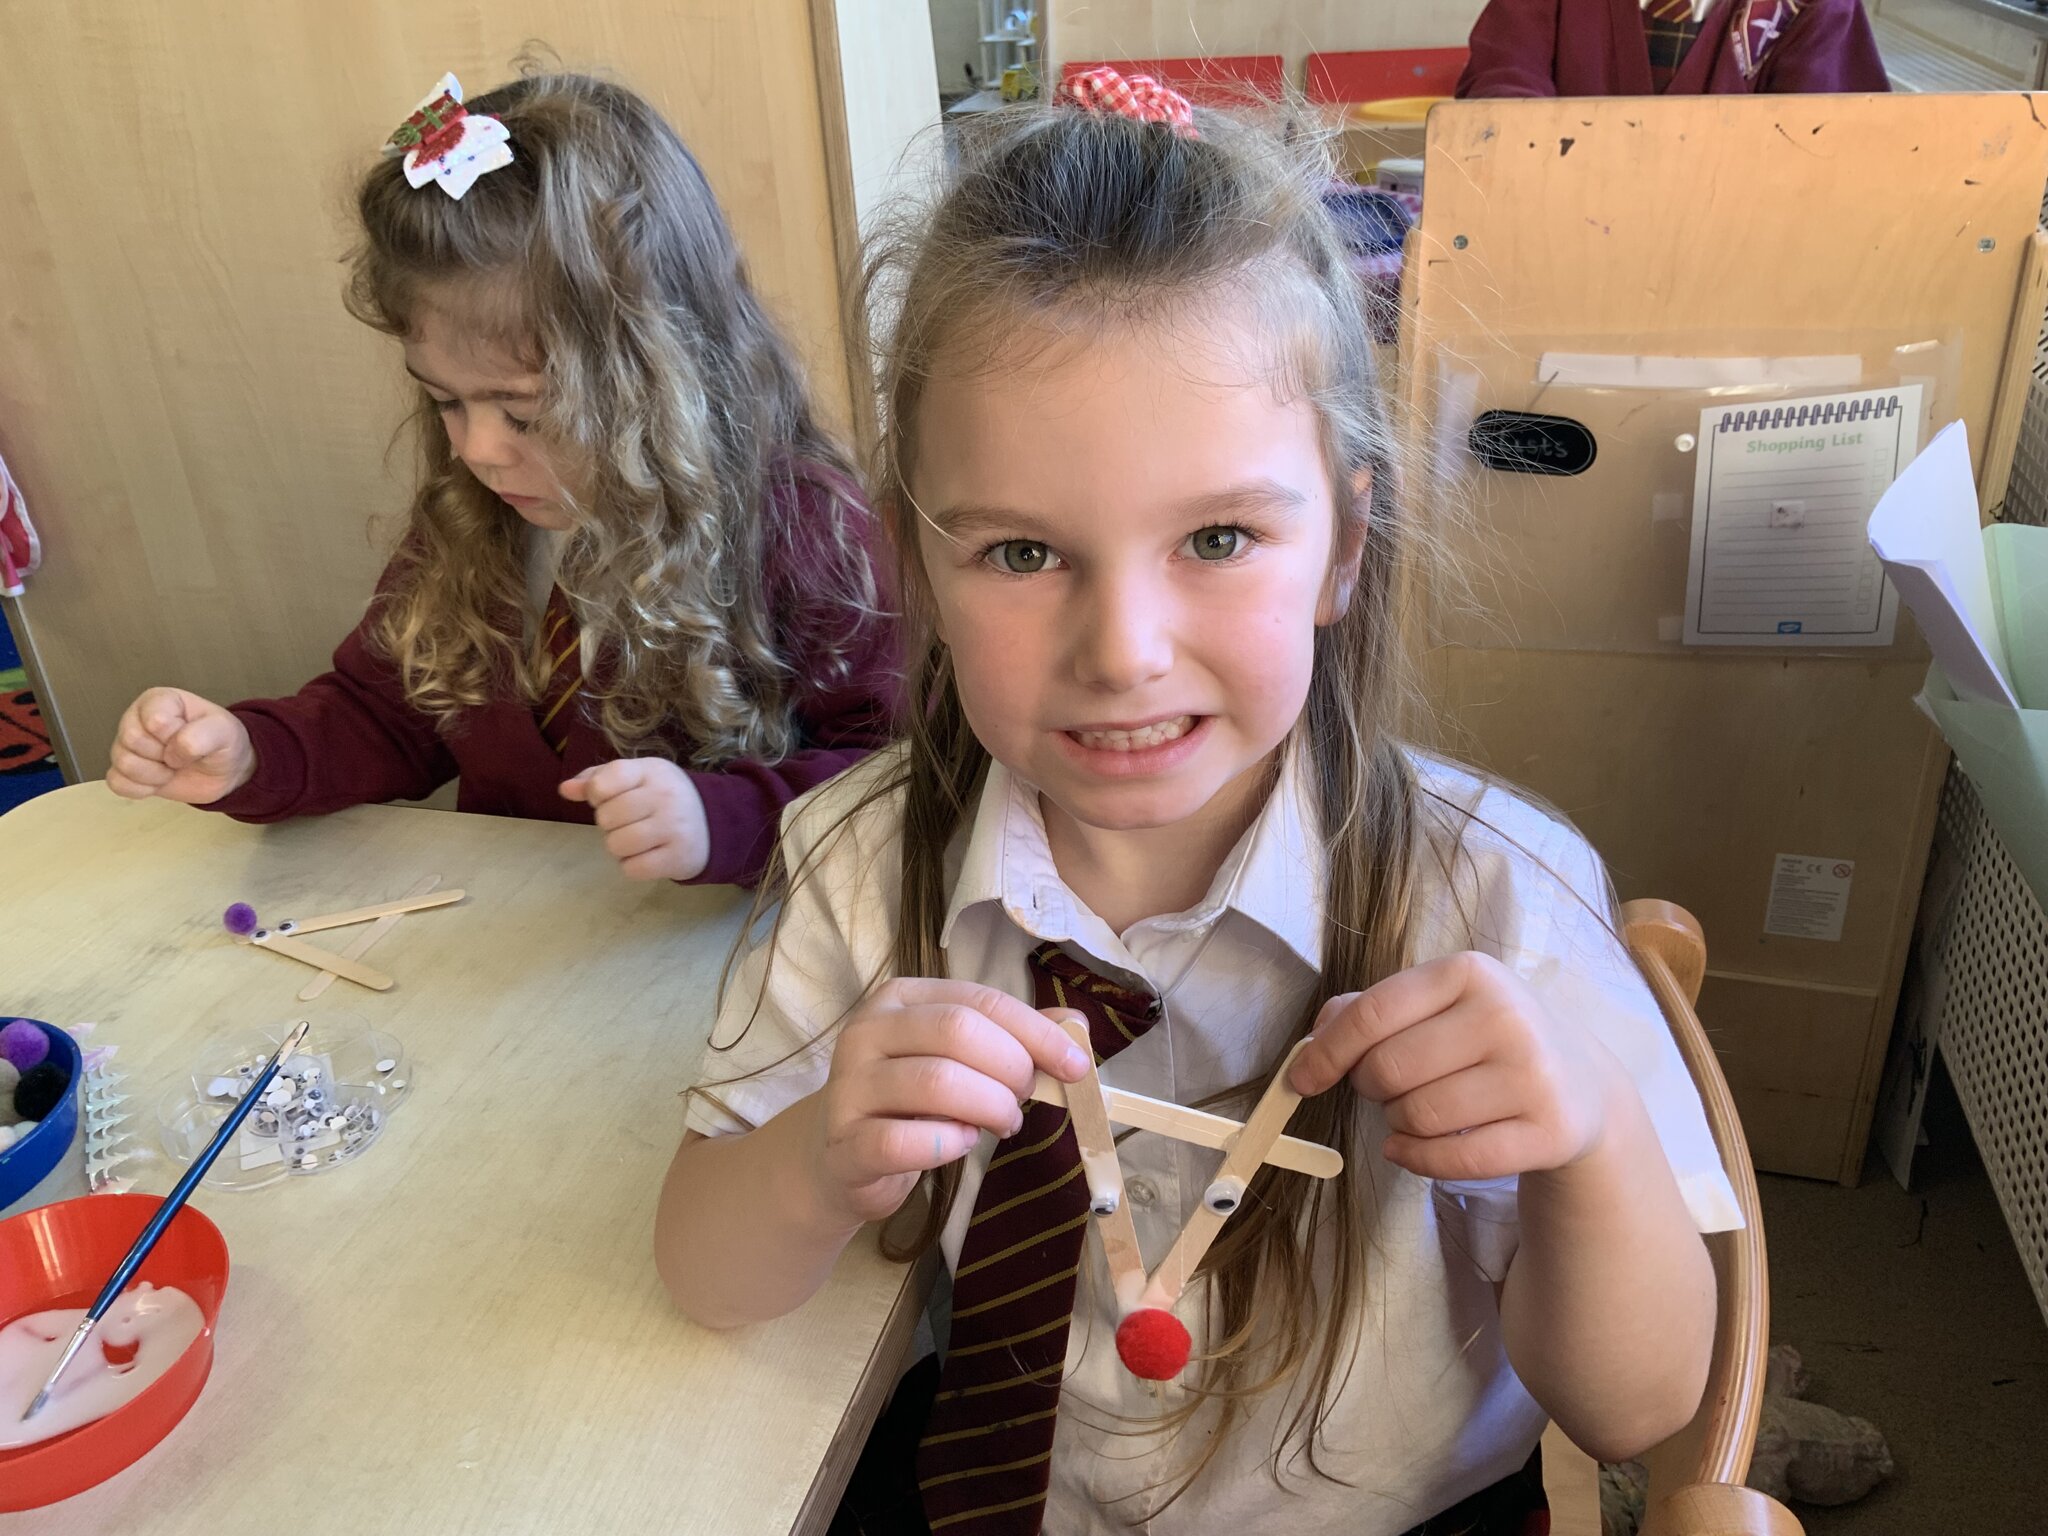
[(1153, 1344)]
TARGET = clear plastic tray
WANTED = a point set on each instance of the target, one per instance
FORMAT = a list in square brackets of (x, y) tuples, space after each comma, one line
[(345, 1082)]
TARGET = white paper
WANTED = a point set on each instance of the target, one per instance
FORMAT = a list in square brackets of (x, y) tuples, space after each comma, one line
[(1927, 532), (1782, 497), (261, 1151), (1608, 370), (1809, 897)]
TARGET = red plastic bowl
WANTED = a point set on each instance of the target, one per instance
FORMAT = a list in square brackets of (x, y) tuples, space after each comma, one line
[(60, 1256)]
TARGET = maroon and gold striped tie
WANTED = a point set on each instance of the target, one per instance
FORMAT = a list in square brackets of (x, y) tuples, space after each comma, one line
[(986, 1458), (564, 672)]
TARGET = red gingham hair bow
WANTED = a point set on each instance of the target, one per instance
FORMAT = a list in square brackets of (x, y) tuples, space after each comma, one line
[(1140, 98)]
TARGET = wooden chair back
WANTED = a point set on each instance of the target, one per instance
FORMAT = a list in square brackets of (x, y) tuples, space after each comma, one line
[(1696, 1477)]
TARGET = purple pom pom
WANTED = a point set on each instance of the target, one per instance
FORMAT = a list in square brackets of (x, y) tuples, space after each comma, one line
[(240, 919), (24, 1044)]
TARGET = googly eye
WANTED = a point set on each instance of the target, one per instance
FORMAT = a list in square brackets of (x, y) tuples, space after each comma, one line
[(1224, 1196)]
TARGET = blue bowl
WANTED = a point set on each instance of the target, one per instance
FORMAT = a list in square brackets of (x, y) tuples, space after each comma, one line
[(28, 1162)]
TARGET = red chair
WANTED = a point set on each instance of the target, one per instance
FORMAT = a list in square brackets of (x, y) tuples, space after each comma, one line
[(1232, 81), (1384, 74)]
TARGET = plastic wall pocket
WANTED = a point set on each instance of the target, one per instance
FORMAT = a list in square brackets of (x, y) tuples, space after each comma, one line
[(1521, 443)]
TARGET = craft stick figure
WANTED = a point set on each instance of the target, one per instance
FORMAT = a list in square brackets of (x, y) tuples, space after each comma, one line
[(1150, 1340), (360, 945), (240, 920)]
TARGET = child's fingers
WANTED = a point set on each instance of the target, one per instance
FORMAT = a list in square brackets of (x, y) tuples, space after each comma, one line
[(577, 789), (1496, 1151), (625, 809), (635, 838), (1343, 1035), (129, 788), (1447, 1043), (134, 738), (881, 1149), (146, 775), (607, 781), (957, 1033), (935, 1088), (161, 712), (1047, 1044), (201, 739), (659, 863), (1451, 1105)]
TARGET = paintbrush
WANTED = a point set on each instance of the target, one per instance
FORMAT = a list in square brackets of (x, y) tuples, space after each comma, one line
[(173, 1203)]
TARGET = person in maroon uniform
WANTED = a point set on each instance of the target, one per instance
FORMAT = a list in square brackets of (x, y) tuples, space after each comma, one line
[(1671, 48), (636, 586)]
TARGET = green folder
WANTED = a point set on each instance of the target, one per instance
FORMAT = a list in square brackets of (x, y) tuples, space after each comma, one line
[(2005, 751)]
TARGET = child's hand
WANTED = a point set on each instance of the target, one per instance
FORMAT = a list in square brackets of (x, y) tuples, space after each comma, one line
[(178, 746), (651, 815), (920, 1070), (1478, 1080)]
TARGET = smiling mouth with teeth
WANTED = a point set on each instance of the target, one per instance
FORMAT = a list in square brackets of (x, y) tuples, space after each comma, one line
[(1158, 734)]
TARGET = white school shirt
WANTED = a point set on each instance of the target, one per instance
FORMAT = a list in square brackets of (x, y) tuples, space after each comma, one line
[(543, 564), (1431, 1410)]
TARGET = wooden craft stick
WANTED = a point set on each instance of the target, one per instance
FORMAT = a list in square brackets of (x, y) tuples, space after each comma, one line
[(1260, 1137), (1104, 1172), (325, 960), (1197, 1127), (360, 945), (396, 908)]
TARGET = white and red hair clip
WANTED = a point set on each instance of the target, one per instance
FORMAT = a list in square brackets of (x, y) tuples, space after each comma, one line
[(1138, 97), (20, 550), (443, 141)]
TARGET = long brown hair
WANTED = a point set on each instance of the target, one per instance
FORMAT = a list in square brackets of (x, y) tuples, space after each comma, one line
[(1086, 218), (601, 255)]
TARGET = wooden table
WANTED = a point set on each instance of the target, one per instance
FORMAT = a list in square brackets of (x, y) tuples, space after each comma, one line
[(461, 1331)]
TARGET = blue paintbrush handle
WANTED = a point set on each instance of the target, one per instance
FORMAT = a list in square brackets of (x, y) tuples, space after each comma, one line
[(175, 1200)]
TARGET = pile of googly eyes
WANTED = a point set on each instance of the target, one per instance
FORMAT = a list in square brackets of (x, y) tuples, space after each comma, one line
[(324, 1108), (300, 1112)]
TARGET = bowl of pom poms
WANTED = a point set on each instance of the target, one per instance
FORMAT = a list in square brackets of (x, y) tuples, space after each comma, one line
[(40, 1071), (142, 1367)]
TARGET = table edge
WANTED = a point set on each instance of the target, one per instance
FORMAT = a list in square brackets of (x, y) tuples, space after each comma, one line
[(877, 1382)]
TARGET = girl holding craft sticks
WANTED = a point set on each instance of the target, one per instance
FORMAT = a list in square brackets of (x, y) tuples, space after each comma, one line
[(636, 584), (1154, 554)]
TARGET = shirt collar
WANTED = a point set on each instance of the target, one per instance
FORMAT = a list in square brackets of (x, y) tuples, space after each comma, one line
[(1274, 876)]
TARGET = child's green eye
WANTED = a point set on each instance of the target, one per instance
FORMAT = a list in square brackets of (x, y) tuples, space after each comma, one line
[(1216, 543), (1021, 557), (445, 406), (516, 424)]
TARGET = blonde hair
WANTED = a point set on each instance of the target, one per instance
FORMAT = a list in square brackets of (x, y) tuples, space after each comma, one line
[(601, 255), (1087, 219)]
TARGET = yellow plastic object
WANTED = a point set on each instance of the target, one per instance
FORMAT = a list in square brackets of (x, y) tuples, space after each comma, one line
[(1395, 109), (1020, 82)]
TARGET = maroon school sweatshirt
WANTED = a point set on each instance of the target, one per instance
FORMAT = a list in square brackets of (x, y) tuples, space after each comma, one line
[(350, 737), (1597, 48)]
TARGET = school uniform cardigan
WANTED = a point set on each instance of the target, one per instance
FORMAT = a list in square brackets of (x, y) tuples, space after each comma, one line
[(350, 736), (1597, 48)]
